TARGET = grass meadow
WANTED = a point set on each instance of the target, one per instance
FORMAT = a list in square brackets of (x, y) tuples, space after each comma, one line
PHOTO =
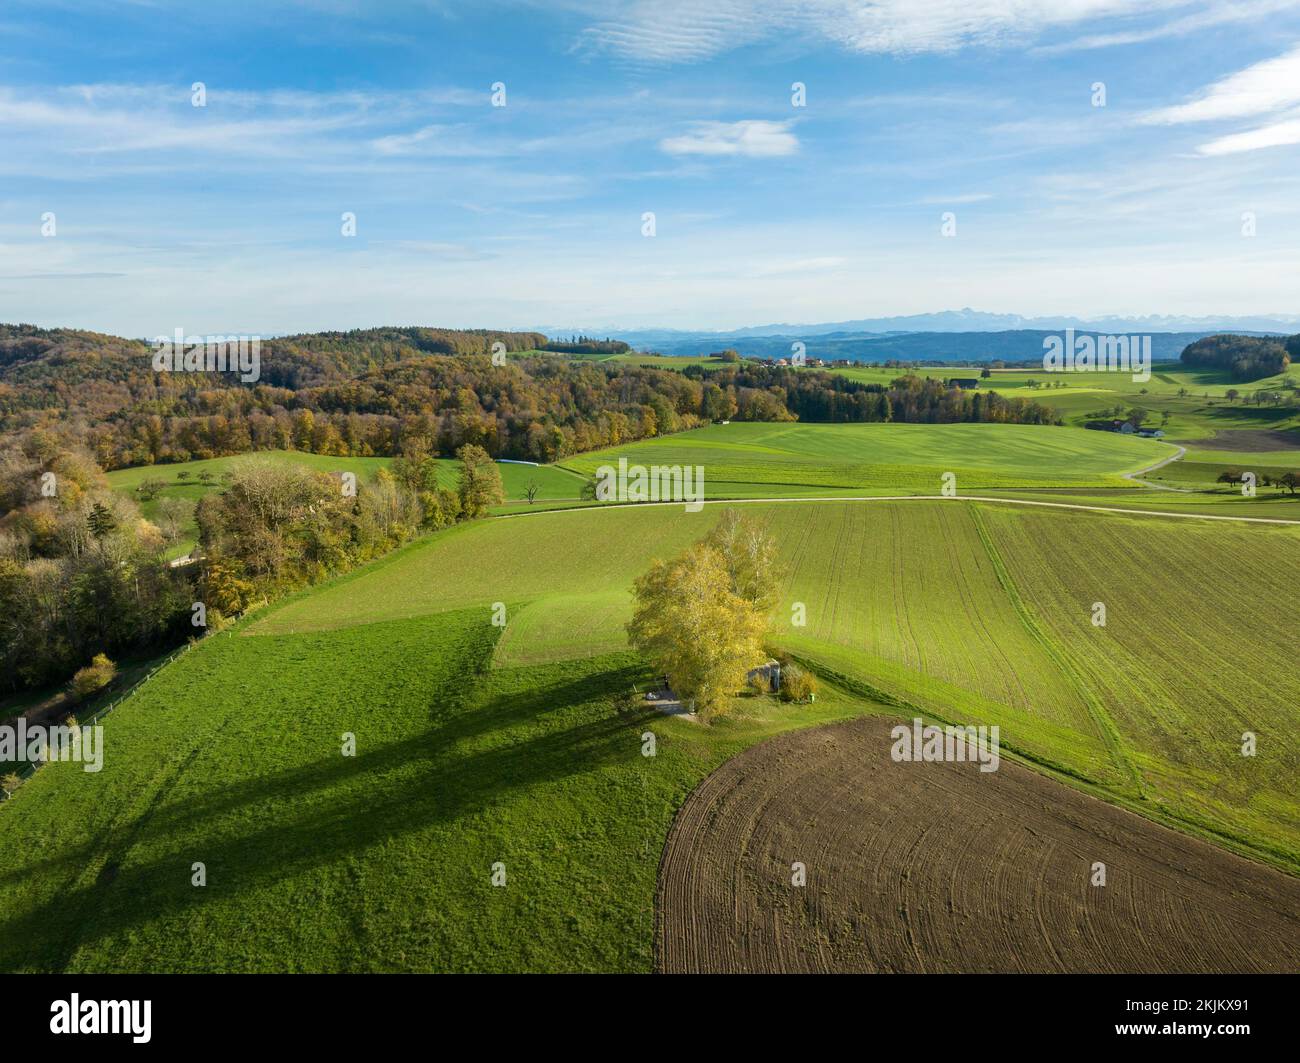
[(958, 608), (1190, 406), (748, 459), (378, 862), (521, 745)]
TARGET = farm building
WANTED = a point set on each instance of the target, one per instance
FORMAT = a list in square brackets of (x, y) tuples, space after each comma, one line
[(966, 383), (1124, 428), (770, 673)]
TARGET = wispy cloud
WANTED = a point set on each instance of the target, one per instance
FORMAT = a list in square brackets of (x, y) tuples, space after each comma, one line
[(131, 119), (1270, 87), (447, 252), (683, 31), (753, 138), (58, 276), (677, 31), (1214, 15), (1260, 89), (965, 197), (1276, 135), (439, 139)]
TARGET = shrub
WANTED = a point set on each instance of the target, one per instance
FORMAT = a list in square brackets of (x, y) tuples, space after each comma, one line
[(10, 782), (94, 677), (797, 684), (148, 490)]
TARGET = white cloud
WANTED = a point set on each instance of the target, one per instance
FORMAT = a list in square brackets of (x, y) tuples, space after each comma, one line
[(1214, 15), (676, 31), (964, 197), (132, 119), (1269, 136), (1259, 89), (753, 138), (444, 140)]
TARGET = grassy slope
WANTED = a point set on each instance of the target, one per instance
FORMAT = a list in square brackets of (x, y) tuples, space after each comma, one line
[(909, 599), (1196, 416), (742, 460), (379, 862), (473, 749), (553, 482), (1188, 660), (127, 480)]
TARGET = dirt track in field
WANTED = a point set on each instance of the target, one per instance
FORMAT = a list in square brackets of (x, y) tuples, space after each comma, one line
[(939, 867)]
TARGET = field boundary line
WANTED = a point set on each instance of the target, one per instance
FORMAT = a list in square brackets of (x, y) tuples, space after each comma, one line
[(1284, 521)]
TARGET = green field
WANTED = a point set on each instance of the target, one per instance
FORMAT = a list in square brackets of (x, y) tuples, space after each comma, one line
[(1199, 415), (763, 460), (382, 861), (1195, 417), (966, 610), (525, 748), (478, 744)]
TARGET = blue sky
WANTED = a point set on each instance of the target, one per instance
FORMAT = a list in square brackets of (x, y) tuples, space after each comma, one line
[(228, 217)]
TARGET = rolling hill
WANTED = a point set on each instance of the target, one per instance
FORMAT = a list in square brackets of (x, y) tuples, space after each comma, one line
[(478, 745)]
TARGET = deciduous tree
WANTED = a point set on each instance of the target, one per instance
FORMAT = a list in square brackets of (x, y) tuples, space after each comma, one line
[(690, 623)]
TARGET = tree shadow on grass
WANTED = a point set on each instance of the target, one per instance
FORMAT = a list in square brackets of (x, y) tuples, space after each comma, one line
[(311, 816)]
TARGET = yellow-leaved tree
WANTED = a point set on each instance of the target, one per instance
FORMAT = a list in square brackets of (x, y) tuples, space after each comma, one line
[(702, 616)]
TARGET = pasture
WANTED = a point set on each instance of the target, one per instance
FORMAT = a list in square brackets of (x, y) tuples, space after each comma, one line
[(966, 611), (754, 459), (1195, 400), (521, 746), (383, 861)]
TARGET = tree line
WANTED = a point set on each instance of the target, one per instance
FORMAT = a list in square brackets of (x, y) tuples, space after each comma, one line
[(764, 392), (380, 393), (586, 345), (83, 573), (1245, 357)]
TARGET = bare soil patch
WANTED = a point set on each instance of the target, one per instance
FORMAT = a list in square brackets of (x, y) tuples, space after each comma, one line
[(938, 867), (1249, 440)]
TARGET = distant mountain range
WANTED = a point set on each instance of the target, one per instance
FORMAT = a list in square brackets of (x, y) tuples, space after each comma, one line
[(950, 335), (1018, 345), (968, 320)]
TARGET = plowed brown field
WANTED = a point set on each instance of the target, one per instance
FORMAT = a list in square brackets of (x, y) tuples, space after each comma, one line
[(939, 867)]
